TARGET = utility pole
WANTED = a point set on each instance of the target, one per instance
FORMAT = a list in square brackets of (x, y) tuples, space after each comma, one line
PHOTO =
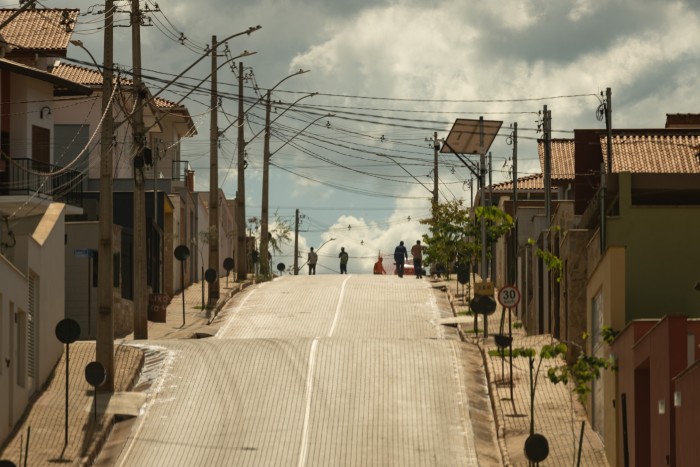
[(139, 195), (482, 183), (608, 125), (296, 243), (213, 234), (547, 166), (492, 247), (105, 323), (514, 266), (241, 248), (264, 226), (436, 147)]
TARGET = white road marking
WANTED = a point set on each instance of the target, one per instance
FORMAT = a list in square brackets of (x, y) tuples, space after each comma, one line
[(304, 451), (233, 313), (338, 307)]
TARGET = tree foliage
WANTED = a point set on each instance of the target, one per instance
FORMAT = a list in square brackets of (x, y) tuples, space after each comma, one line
[(455, 236)]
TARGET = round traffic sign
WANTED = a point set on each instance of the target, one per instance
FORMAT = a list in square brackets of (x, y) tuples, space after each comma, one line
[(210, 275), (67, 331), (281, 267), (483, 305), (228, 264), (95, 374), (509, 296), (182, 252), (536, 448)]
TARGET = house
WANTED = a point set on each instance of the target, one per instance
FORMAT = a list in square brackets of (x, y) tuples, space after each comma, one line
[(32, 231)]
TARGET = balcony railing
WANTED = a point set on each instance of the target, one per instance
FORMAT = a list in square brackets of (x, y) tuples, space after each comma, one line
[(30, 177), (180, 170)]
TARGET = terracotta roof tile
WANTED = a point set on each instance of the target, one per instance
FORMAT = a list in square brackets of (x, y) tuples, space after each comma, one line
[(91, 77), (47, 30), (530, 182), (562, 158), (654, 153)]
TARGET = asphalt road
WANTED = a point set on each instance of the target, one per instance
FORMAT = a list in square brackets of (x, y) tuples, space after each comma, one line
[(323, 370)]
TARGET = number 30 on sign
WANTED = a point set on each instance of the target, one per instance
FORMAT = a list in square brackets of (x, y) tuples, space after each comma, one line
[(509, 296)]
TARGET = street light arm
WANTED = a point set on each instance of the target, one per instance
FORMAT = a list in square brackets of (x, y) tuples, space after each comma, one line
[(405, 170), (261, 98), (177, 104), (277, 117), (300, 132), (300, 72)]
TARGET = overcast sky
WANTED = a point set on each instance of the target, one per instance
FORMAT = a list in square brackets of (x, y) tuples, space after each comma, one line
[(394, 72)]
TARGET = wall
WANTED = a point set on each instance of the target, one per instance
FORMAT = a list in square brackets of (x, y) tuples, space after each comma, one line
[(687, 416), (573, 286), (81, 284), (608, 278), (662, 254)]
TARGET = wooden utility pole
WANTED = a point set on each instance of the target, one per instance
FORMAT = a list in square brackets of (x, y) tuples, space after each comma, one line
[(436, 148), (139, 194), (296, 243), (213, 234), (264, 225), (482, 186), (241, 247), (105, 323)]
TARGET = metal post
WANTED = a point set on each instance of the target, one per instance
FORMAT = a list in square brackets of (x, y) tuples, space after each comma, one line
[(482, 183), (182, 285), (65, 433)]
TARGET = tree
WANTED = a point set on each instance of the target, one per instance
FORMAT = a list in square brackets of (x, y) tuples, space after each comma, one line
[(279, 233), (447, 238)]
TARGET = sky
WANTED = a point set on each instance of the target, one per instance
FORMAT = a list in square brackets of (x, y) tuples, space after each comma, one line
[(393, 73)]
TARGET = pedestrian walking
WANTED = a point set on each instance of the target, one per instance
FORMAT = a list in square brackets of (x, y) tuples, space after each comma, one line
[(312, 259), (379, 266), (343, 260), (417, 253), (400, 255)]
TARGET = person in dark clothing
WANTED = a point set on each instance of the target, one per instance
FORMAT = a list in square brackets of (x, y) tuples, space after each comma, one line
[(400, 255), (343, 261)]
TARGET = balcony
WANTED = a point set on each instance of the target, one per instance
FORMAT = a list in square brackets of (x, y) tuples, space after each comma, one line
[(27, 177)]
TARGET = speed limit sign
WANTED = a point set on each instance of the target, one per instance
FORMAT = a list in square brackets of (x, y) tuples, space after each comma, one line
[(509, 296)]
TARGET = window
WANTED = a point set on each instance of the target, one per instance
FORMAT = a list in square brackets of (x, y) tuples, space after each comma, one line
[(21, 350)]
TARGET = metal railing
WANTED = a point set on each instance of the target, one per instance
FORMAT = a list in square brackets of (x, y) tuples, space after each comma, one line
[(29, 177)]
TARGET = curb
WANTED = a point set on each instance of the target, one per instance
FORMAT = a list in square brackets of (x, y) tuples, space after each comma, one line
[(500, 437)]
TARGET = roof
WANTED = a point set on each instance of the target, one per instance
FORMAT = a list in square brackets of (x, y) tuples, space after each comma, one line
[(62, 86), (562, 158), (530, 182), (654, 151), (43, 30), (91, 77)]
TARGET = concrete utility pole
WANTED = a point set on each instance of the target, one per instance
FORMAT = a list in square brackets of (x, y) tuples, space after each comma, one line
[(547, 165), (264, 223), (105, 323), (241, 249), (139, 195), (296, 243), (608, 125), (213, 234), (436, 148)]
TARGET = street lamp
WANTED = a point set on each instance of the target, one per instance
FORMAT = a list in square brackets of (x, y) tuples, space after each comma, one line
[(266, 174), (79, 43)]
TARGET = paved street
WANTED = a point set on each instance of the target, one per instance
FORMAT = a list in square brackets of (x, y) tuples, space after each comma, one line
[(323, 370)]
